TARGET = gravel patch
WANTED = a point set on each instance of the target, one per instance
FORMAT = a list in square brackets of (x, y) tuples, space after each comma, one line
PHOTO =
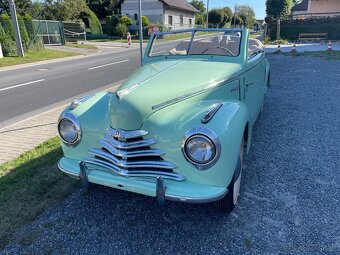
[(290, 190)]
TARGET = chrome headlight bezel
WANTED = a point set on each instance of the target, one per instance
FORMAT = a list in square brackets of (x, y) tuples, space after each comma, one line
[(202, 133), (70, 117)]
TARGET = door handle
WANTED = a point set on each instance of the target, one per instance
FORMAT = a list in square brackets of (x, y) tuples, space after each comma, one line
[(248, 83)]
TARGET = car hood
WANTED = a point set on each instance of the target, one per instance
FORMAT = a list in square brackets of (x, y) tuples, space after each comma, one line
[(154, 84)]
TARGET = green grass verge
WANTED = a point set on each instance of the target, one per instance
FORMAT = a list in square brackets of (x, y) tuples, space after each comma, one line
[(81, 45), (333, 55), (35, 56), (29, 185)]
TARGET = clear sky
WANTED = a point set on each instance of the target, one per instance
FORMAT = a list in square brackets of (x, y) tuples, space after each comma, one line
[(258, 5)]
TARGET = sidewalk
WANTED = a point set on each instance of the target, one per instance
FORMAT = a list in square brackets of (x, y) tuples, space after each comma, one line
[(25, 135)]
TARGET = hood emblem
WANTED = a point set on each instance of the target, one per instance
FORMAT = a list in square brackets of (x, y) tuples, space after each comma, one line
[(116, 134)]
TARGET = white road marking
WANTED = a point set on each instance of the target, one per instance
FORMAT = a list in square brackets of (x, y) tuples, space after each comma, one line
[(110, 64), (21, 85)]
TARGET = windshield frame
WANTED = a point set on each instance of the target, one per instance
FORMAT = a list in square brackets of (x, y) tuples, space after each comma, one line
[(150, 54)]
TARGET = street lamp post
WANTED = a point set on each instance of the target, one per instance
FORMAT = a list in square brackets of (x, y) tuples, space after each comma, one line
[(208, 14), (235, 16), (16, 28), (140, 30)]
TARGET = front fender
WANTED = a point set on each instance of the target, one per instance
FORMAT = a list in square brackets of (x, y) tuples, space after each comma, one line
[(94, 119), (169, 125)]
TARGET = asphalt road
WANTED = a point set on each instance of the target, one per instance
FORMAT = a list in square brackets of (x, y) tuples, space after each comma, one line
[(34, 88), (27, 91), (289, 200)]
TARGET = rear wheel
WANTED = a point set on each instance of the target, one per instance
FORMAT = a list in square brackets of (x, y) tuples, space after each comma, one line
[(228, 203)]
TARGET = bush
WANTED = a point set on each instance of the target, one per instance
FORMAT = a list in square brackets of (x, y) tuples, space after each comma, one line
[(121, 30), (290, 29), (23, 32), (111, 23), (6, 24), (127, 21), (95, 27), (7, 44), (145, 21), (31, 31)]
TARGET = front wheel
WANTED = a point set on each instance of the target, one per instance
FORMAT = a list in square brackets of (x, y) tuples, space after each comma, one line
[(228, 203)]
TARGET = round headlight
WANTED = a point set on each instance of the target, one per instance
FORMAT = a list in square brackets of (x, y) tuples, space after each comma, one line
[(201, 147), (69, 129)]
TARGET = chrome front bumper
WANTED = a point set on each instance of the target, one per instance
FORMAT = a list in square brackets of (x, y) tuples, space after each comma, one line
[(160, 188)]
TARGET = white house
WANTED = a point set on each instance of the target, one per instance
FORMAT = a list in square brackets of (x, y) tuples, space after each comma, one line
[(316, 8), (175, 14)]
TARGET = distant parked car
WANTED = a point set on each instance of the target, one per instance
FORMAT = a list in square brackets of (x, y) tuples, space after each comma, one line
[(177, 128)]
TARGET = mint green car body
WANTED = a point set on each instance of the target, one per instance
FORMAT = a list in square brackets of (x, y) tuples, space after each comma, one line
[(168, 96)]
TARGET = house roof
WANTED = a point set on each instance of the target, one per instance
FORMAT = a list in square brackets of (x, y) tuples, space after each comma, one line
[(180, 4), (177, 4), (303, 6)]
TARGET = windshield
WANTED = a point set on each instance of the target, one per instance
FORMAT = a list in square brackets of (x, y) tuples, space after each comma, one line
[(183, 43)]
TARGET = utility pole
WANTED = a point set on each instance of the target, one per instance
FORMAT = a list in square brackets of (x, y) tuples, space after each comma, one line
[(140, 31), (235, 16), (208, 14), (16, 28)]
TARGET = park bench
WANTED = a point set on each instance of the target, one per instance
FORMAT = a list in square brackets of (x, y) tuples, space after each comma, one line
[(312, 36)]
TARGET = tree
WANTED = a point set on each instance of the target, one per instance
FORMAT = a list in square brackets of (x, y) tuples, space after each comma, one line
[(278, 9), (21, 6), (102, 8), (216, 17), (121, 30), (145, 22), (69, 10), (247, 14), (227, 15), (199, 5), (126, 20)]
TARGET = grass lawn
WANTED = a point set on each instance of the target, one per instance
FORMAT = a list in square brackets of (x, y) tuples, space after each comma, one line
[(333, 55), (29, 185), (35, 56), (81, 45)]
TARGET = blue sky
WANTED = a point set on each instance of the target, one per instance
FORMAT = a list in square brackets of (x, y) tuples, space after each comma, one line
[(258, 5)]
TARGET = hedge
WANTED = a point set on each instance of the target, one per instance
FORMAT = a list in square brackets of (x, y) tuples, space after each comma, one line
[(6, 24), (290, 29), (94, 23), (8, 46), (23, 32), (111, 23)]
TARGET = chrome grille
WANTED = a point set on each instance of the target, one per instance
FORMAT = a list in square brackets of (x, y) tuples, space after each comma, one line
[(127, 153)]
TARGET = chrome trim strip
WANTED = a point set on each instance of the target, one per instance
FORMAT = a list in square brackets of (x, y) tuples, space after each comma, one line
[(211, 113), (199, 200), (202, 131), (81, 100), (212, 86), (122, 134), (132, 173), (131, 164), (130, 145), (130, 154), (77, 176), (75, 121)]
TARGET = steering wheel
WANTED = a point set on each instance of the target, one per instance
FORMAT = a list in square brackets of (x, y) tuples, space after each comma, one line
[(219, 47)]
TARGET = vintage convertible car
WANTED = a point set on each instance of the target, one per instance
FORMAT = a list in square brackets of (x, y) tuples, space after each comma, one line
[(177, 128)]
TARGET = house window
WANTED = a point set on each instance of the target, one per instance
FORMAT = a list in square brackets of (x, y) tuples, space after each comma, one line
[(136, 16), (170, 20), (181, 21), (190, 21)]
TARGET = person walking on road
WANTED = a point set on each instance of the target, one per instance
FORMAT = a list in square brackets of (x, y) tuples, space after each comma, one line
[(128, 37)]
